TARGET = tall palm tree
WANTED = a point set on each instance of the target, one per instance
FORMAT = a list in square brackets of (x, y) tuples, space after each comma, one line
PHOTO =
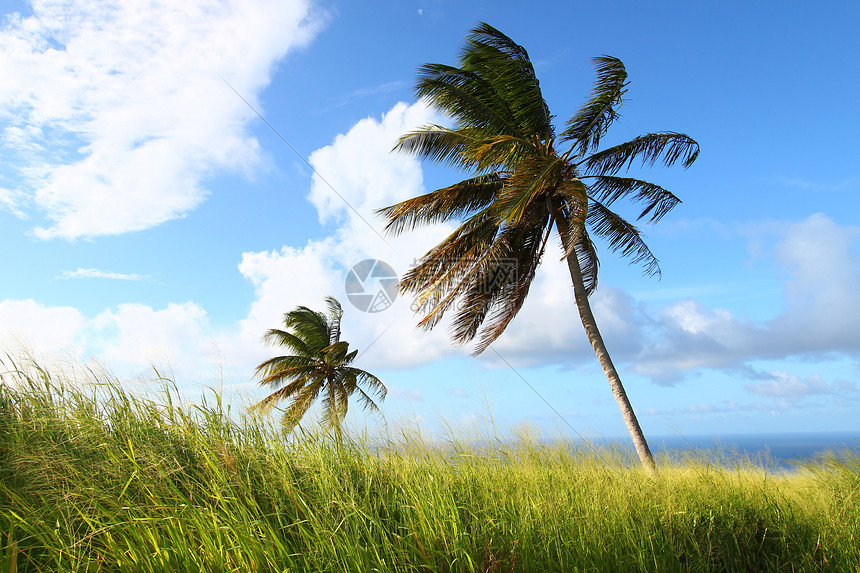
[(318, 366), (525, 183)]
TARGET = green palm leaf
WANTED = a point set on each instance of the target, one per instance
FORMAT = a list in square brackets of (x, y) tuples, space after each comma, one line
[(657, 201), (506, 66), (649, 148), (623, 238), (594, 118), (454, 202), (465, 96)]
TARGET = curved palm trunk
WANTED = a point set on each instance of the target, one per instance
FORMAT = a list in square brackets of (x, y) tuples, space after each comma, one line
[(596, 340)]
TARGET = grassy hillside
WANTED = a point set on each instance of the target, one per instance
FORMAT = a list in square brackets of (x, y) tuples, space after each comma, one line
[(93, 478)]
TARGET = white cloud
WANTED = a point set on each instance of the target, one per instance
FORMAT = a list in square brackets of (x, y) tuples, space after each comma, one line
[(80, 273), (39, 328), (130, 99), (283, 280), (822, 306), (358, 173), (784, 385), (178, 334), (819, 318), (130, 338)]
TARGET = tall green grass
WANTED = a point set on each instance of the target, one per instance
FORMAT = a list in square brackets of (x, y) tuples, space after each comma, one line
[(95, 478)]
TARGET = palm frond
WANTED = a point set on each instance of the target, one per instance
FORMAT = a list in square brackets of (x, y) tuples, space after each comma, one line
[(649, 148), (455, 202), (301, 404), (657, 201), (471, 267), (352, 379), (514, 288), (335, 315), (278, 337), (368, 380), (438, 144), (283, 393), (506, 66), (478, 149), (467, 98), (284, 367), (366, 401), (594, 118), (310, 326), (494, 98), (338, 354), (623, 238), (443, 268), (480, 282), (498, 153)]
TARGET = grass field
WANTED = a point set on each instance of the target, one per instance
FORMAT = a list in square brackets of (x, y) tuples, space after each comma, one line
[(94, 478)]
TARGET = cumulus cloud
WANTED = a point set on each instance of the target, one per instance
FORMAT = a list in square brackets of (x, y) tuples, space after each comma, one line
[(130, 338), (44, 329), (143, 335), (358, 173), (355, 175), (818, 320), (822, 306), (120, 109)]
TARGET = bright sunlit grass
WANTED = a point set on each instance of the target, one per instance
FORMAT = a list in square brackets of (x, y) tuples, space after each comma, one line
[(94, 478)]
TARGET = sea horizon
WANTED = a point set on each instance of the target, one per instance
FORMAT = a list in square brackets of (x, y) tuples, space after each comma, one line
[(779, 449)]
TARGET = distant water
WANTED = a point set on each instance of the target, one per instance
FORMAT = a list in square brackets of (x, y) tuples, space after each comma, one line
[(780, 450)]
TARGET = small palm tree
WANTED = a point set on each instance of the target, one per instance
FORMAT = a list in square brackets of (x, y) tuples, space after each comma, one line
[(318, 366), (526, 183)]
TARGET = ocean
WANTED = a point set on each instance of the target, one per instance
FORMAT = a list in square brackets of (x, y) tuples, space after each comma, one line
[(777, 450)]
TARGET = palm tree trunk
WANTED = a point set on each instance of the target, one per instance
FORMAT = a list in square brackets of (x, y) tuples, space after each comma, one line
[(603, 357)]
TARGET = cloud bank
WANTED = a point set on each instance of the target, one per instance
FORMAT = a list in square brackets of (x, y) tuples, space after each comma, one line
[(818, 319), (357, 174)]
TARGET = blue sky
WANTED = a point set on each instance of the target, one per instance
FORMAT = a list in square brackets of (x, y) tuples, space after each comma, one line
[(149, 216)]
